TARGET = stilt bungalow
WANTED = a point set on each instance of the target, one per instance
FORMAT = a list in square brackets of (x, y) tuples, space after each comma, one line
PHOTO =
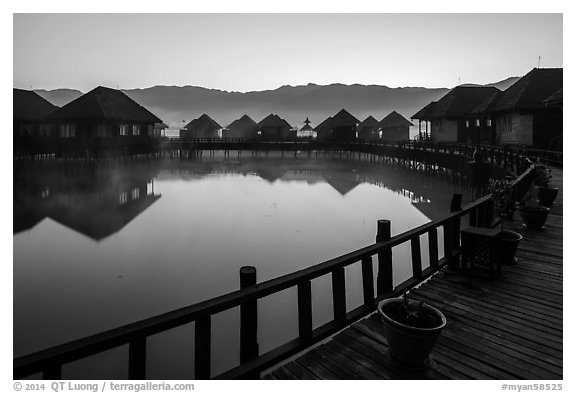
[(395, 127), (273, 127), (519, 115), (451, 118), (341, 127), (32, 133), (307, 131), (202, 127), (322, 128), (104, 121), (368, 129), (243, 127)]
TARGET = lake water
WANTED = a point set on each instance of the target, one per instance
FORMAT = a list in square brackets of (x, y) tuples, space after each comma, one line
[(96, 248)]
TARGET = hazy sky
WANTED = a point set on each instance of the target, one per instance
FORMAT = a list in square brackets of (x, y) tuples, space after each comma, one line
[(244, 52)]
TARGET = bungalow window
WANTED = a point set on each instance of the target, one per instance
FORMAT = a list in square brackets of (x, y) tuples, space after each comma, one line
[(136, 193), (123, 197), (467, 124), (489, 122), (123, 130), (44, 130), (135, 129), (67, 130), (25, 129), (101, 130), (477, 122)]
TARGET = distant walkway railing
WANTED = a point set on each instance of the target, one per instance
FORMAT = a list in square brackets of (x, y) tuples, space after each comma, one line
[(50, 361)]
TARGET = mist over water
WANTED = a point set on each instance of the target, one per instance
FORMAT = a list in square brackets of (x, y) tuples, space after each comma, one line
[(98, 248)]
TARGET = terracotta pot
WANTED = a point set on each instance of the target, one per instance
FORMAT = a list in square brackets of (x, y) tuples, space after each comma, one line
[(534, 217), (410, 345), (547, 195), (507, 245)]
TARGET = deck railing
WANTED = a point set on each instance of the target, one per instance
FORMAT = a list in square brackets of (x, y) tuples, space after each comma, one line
[(50, 361)]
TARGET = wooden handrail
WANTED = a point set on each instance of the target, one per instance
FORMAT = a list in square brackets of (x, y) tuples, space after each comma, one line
[(50, 360)]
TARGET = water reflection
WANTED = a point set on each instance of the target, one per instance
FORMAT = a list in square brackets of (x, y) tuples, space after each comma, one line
[(96, 248), (95, 203)]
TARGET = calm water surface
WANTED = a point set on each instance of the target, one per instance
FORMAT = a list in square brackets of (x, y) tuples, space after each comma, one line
[(98, 248)]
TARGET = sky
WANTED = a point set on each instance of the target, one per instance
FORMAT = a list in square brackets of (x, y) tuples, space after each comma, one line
[(249, 52)]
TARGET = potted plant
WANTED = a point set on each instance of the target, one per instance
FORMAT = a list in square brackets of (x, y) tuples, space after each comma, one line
[(501, 192), (411, 329), (546, 194), (533, 214)]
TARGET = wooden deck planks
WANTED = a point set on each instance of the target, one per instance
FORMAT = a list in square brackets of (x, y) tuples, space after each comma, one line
[(507, 328)]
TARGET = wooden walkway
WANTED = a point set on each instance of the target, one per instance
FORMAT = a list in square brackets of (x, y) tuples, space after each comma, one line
[(508, 328)]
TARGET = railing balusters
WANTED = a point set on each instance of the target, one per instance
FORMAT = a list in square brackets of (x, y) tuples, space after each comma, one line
[(202, 348), (368, 281), (339, 293), (305, 309), (433, 247), (137, 359), (416, 257)]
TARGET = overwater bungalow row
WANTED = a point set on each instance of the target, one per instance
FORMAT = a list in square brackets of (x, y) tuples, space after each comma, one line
[(528, 113), (102, 119), (202, 127), (393, 128)]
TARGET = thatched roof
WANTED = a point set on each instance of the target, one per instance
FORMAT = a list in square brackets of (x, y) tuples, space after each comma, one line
[(243, 123), (458, 102), (307, 127), (555, 100), (29, 106), (529, 92), (203, 125), (343, 119), (273, 120), (368, 122), (395, 119), (424, 112), (105, 104), (160, 126), (324, 125)]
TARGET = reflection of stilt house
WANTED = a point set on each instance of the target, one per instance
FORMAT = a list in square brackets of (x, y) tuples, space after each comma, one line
[(519, 115), (272, 127), (450, 117), (368, 129), (32, 134), (243, 127), (395, 128), (341, 127), (96, 205), (104, 120), (202, 127)]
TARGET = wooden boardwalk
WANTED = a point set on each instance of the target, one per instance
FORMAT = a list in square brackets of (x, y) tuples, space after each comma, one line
[(508, 328)]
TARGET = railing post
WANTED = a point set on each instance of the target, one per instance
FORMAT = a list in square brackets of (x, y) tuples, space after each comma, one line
[(137, 359), (368, 281), (384, 279), (248, 318), (452, 232), (305, 309)]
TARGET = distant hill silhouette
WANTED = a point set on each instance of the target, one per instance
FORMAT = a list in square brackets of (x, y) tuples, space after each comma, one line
[(178, 105)]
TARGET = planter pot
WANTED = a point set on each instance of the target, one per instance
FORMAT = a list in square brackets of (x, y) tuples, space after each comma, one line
[(507, 245), (547, 195), (410, 345), (534, 217)]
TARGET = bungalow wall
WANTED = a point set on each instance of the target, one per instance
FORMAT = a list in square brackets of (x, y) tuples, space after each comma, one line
[(444, 130), (514, 128), (393, 134)]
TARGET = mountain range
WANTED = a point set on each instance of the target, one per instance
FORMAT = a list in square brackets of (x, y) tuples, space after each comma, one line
[(178, 105)]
